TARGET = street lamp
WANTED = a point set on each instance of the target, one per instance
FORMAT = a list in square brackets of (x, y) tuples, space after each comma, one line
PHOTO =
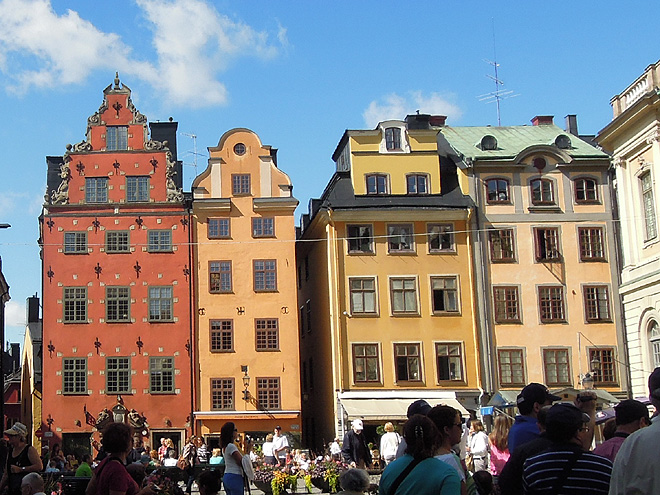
[(246, 382)]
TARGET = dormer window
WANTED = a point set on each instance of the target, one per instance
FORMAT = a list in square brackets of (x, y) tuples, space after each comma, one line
[(116, 138), (563, 142), (488, 142), (393, 139)]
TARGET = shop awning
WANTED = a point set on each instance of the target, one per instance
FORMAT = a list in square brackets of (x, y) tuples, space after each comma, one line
[(389, 409), (603, 397), (504, 398)]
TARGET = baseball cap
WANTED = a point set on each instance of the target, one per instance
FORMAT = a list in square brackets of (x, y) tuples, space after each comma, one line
[(17, 429), (566, 417), (630, 410), (357, 424), (654, 384), (536, 392), (420, 406)]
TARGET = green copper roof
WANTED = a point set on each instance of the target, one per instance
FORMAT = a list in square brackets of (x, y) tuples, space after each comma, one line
[(514, 139)]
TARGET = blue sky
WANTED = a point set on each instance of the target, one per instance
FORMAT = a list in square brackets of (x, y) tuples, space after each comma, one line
[(298, 73)]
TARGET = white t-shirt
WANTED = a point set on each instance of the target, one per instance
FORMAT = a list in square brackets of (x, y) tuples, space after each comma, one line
[(267, 449), (231, 466), (279, 442), (389, 442), (170, 462)]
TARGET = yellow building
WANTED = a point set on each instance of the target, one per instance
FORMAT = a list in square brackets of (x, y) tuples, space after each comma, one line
[(548, 255), (385, 284), (247, 326)]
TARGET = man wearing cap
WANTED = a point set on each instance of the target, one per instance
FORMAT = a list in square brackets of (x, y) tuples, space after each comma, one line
[(530, 400), (566, 467), (631, 415), (636, 464), (354, 449), (21, 459), (280, 445), (420, 406)]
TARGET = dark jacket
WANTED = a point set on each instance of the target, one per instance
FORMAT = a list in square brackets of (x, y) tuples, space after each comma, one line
[(355, 448)]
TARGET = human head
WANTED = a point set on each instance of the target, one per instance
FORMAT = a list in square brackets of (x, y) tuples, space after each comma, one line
[(17, 431), (269, 437), (564, 421), (163, 442), (632, 414), (357, 426), (217, 452), (540, 417), (533, 397), (448, 422), (208, 482), (609, 428), (87, 458), (117, 438), (137, 472), (227, 433), (32, 483), (483, 481), (154, 454), (354, 480), (169, 443), (172, 454), (389, 427), (277, 431), (199, 441), (421, 437), (654, 387), (476, 425), (500, 434), (420, 406)]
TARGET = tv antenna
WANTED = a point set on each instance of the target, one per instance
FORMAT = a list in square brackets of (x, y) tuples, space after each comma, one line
[(499, 94), (194, 150)]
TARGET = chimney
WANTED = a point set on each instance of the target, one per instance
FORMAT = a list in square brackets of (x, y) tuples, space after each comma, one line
[(542, 120), (437, 120), (571, 124), (33, 309)]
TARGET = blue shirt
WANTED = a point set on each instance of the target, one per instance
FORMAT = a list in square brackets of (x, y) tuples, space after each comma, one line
[(523, 430)]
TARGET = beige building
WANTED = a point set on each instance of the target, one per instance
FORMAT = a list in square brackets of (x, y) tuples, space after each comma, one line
[(246, 319), (633, 138)]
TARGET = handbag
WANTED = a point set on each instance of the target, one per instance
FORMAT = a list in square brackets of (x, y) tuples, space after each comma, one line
[(469, 462), (182, 463)]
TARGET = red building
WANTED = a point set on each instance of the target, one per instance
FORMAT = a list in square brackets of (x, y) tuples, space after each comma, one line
[(116, 281)]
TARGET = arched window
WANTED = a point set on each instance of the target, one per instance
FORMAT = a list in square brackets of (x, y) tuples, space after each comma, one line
[(497, 191), (654, 342)]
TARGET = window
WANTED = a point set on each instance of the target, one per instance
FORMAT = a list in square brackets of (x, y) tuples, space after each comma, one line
[(360, 239), (117, 304), (596, 303), (586, 190), (161, 375), (591, 244), (268, 393), (501, 246), (547, 244), (117, 375), (363, 295), (218, 228), (556, 364), (654, 341), (449, 361), (542, 192), (440, 237), (607, 372), (222, 335), (75, 243), (265, 275), (511, 367), (366, 363), (75, 304), (117, 241), (116, 138), (417, 184), (649, 206), (551, 304), (160, 304), (137, 189), (392, 138), (404, 295), (507, 304), (267, 334), (407, 362), (222, 394), (159, 241), (497, 191), (74, 375), (376, 184), (240, 184), (263, 227), (96, 190), (400, 238), (444, 291), (240, 149), (220, 277)]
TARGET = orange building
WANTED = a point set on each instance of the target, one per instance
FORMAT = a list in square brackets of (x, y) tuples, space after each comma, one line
[(116, 281), (247, 324)]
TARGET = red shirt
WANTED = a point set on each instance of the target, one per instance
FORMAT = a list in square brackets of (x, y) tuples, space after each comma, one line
[(114, 477)]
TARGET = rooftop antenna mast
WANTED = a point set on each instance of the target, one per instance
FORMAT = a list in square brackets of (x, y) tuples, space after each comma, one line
[(194, 151), (499, 94)]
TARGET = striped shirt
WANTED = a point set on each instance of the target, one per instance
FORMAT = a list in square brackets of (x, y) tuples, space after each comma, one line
[(590, 473)]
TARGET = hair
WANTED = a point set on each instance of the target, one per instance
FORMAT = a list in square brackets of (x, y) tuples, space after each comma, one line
[(269, 437), (87, 458), (227, 434), (169, 443), (477, 425), (137, 472), (421, 437), (216, 452), (355, 480), (117, 438), (153, 454), (172, 454), (210, 481), (35, 481), (389, 427), (442, 416), (609, 428), (526, 407), (483, 480), (543, 413), (500, 434)]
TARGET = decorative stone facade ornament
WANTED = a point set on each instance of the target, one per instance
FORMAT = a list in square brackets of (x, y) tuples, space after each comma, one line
[(173, 194), (61, 195), (655, 136)]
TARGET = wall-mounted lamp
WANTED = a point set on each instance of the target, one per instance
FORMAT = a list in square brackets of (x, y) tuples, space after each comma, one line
[(246, 382)]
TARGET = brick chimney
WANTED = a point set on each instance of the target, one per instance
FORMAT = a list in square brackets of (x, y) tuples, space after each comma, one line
[(438, 120), (542, 120)]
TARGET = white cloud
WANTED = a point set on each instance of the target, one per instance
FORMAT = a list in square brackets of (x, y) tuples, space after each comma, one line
[(395, 106), (23, 202), (193, 43), (14, 314)]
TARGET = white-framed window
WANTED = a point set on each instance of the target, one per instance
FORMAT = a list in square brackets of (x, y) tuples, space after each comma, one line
[(417, 184), (363, 295), (444, 295), (400, 238), (654, 342), (542, 192), (648, 204), (403, 292), (440, 237), (393, 139)]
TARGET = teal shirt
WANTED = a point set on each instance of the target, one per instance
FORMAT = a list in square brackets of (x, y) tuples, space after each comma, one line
[(429, 477)]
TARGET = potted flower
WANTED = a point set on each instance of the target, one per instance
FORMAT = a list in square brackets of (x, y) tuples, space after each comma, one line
[(325, 475)]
